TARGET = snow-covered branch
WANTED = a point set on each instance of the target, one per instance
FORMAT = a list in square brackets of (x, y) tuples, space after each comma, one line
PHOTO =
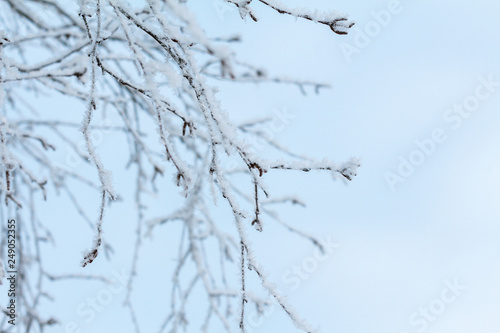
[(147, 76)]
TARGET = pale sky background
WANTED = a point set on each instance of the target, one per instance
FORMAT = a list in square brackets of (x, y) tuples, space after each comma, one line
[(396, 248)]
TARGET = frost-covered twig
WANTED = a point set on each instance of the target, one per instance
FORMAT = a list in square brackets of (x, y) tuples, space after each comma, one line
[(337, 22), (145, 70)]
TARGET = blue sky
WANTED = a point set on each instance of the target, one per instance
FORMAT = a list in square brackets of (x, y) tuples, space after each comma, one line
[(398, 249)]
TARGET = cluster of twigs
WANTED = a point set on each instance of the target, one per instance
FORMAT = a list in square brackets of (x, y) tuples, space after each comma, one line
[(149, 67)]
